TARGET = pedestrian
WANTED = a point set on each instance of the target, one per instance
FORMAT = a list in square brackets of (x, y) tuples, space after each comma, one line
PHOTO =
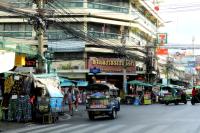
[(77, 97), (70, 100), (193, 92)]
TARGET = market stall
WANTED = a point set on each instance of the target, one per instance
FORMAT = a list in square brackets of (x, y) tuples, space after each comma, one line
[(31, 97), (138, 93), (16, 104), (48, 98)]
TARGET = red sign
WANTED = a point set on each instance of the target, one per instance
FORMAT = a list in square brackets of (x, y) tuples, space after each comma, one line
[(109, 65), (162, 51), (30, 63)]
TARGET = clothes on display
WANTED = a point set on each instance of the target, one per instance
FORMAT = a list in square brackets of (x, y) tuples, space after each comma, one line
[(8, 84), (23, 112)]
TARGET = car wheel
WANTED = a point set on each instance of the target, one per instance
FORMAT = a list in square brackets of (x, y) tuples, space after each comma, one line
[(91, 115), (114, 114), (192, 102), (185, 102)]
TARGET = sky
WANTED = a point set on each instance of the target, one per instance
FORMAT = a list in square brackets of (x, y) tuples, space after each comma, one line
[(182, 23), (181, 20)]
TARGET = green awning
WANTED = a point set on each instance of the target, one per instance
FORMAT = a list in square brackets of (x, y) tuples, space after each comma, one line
[(66, 84), (82, 83), (139, 83), (197, 86)]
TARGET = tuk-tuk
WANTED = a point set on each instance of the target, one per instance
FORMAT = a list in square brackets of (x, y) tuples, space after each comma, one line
[(174, 95), (102, 100)]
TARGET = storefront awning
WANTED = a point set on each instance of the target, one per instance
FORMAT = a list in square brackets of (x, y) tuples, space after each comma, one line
[(82, 83), (67, 83), (54, 92), (139, 83)]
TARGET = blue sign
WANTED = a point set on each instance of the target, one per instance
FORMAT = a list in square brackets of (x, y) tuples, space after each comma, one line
[(191, 63), (95, 70)]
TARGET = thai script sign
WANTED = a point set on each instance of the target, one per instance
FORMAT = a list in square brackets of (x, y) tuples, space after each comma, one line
[(115, 65)]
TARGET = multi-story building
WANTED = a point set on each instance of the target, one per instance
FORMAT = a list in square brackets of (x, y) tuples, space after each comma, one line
[(129, 24)]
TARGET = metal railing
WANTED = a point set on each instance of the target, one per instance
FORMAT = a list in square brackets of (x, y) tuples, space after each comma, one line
[(22, 4), (93, 5), (142, 19), (16, 34), (108, 7), (104, 35), (57, 35)]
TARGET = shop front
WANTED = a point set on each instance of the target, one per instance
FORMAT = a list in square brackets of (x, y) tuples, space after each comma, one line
[(110, 70), (28, 97)]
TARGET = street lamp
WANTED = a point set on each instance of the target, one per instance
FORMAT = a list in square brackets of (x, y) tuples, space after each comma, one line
[(49, 55)]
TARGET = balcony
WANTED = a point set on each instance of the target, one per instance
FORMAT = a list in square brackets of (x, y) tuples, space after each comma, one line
[(57, 35), (22, 4), (93, 5), (134, 37), (143, 20), (68, 4), (16, 34), (104, 35)]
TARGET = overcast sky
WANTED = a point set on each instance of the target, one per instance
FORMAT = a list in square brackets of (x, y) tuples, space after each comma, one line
[(182, 20)]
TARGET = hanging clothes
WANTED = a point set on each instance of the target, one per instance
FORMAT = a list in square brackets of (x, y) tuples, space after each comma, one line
[(27, 84), (18, 86), (8, 84), (12, 109), (23, 109)]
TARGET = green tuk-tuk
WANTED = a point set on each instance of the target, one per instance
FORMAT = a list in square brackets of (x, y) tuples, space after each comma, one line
[(174, 95)]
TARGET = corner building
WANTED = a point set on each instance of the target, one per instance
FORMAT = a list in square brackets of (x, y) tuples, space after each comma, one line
[(131, 24)]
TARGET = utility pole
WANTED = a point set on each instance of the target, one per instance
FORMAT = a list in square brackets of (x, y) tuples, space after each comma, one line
[(123, 41), (40, 27)]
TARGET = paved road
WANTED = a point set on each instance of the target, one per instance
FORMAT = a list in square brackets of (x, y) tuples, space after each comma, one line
[(131, 119)]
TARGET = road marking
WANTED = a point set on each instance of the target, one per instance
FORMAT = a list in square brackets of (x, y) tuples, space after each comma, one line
[(111, 129), (134, 129), (51, 128), (91, 127), (28, 128), (156, 129), (69, 128)]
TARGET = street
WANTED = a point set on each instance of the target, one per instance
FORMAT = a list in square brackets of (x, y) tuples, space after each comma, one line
[(131, 119)]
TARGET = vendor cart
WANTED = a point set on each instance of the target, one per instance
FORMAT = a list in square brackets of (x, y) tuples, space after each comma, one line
[(139, 93), (48, 98)]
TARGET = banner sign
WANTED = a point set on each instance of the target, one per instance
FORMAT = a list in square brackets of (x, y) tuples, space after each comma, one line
[(110, 65), (162, 51)]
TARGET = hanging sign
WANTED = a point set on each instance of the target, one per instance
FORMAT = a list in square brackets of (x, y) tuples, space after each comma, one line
[(19, 60), (162, 51), (161, 38)]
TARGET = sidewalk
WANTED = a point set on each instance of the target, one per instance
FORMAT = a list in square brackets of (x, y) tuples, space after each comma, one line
[(4, 125)]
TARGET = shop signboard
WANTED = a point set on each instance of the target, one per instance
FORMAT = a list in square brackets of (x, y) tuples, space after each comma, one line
[(111, 65), (95, 70), (19, 60), (30, 62), (162, 38)]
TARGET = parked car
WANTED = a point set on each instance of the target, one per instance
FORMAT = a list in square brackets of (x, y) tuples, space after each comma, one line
[(102, 100)]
